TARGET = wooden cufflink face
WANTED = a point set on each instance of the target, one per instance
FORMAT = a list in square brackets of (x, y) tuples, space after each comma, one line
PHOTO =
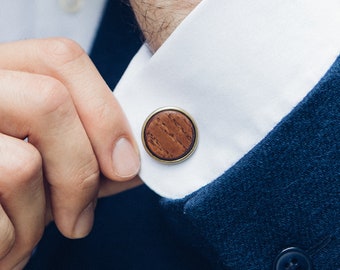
[(170, 135)]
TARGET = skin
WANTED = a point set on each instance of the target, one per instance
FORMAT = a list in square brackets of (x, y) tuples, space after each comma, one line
[(72, 126), (51, 94), (159, 18)]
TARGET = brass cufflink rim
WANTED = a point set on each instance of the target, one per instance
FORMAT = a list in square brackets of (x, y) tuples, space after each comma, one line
[(194, 145)]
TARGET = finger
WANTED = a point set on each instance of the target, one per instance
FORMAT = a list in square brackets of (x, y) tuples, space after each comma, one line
[(22, 198), (100, 113), (40, 108), (7, 235)]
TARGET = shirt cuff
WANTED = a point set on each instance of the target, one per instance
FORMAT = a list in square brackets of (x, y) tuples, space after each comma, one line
[(238, 67)]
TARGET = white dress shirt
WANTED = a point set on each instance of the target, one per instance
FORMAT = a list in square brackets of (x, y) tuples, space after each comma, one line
[(238, 67), (75, 19)]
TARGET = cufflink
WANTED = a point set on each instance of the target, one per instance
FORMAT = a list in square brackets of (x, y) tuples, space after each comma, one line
[(170, 135)]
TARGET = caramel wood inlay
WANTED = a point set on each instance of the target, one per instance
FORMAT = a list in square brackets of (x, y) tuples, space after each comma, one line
[(169, 135)]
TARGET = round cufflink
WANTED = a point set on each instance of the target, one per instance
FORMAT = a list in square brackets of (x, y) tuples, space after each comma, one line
[(170, 135)]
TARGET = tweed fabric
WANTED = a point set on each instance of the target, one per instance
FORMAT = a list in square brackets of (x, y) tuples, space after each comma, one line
[(284, 193)]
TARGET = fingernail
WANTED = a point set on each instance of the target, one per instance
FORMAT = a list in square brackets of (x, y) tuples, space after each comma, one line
[(85, 221), (126, 162)]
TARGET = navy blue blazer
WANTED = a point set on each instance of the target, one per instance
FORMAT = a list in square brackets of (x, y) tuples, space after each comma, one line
[(277, 208)]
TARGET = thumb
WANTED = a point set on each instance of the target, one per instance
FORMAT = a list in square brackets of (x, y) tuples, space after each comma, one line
[(112, 140), (103, 119), (102, 116)]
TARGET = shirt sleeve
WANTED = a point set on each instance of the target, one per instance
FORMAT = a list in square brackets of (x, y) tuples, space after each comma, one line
[(237, 67)]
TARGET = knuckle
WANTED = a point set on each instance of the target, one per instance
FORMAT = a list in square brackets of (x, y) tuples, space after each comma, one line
[(53, 97), (102, 112), (60, 51), (21, 166), (26, 167), (89, 176), (108, 117), (81, 179)]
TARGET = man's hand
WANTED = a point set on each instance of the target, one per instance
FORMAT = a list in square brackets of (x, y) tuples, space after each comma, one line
[(51, 94), (159, 18)]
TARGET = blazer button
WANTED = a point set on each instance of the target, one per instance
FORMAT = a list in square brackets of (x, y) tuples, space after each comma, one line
[(170, 135), (292, 259)]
